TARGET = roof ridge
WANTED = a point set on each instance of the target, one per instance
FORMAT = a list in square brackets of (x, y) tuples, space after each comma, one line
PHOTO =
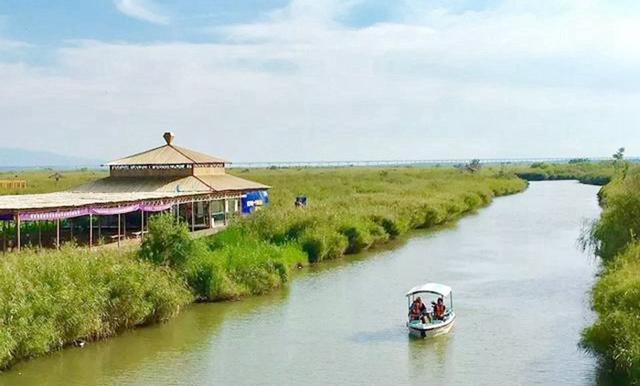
[(136, 154), (201, 180), (178, 150)]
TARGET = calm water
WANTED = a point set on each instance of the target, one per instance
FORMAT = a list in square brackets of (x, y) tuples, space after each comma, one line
[(520, 290)]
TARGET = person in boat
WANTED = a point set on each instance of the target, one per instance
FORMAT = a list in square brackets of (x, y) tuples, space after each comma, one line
[(418, 310), (439, 309)]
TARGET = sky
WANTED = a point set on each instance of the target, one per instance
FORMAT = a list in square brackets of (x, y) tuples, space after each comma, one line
[(311, 80)]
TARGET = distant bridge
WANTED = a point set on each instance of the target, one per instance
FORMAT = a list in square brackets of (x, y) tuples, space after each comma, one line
[(424, 162)]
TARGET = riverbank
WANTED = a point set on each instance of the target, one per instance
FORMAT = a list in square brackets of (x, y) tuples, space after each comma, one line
[(615, 336), (349, 210), (592, 173)]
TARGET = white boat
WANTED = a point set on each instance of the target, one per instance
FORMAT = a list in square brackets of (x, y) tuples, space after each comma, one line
[(429, 325)]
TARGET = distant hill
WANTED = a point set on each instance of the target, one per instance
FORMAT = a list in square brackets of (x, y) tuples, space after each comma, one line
[(22, 158)]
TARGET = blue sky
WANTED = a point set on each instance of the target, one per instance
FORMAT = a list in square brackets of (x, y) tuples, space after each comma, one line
[(322, 80)]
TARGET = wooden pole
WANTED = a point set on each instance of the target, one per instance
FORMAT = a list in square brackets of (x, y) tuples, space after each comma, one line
[(141, 224), (70, 221), (210, 215), (99, 228), (90, 231), (40, 234), (118, 229), (4, 237), (18, 230), (124, 226), (193, 216), (58, 233)]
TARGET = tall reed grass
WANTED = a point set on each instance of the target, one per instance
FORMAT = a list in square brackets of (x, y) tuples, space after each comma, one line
[(615, 335), (49, 300)]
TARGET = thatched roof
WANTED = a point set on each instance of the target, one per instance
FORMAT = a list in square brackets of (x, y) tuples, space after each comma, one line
[(77, 199), (215, 183), (167, 155)]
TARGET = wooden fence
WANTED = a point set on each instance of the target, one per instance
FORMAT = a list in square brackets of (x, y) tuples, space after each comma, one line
[(13, 184)]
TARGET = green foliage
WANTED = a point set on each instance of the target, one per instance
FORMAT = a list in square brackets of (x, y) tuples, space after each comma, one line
[(234, 265), (594, 173), (168, 242), (619, 223), (615, 336), (352, 209), (579, 161), (48, 300)]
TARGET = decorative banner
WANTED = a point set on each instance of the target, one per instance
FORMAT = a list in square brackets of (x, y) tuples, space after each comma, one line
[(115, 210), (6, 217), (54, 215), (155, 208), (61, 215)]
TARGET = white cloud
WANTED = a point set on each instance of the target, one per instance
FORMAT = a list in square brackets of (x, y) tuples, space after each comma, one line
[(503, 82), (141, 10)]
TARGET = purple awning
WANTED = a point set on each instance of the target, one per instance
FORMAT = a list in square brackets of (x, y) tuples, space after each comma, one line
[(115, 210), (156, 208), (60, 215)]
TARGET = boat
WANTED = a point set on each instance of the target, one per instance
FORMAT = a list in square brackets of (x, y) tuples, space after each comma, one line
[(429, 325)]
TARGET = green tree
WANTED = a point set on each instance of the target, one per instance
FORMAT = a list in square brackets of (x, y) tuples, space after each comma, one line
[(473, 166)]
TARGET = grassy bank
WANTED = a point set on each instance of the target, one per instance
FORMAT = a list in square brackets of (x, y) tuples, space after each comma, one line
[(593, 173), (50, 299), (615, 336)]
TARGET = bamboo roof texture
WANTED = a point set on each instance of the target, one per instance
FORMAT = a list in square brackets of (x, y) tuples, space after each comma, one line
[(166, 155)]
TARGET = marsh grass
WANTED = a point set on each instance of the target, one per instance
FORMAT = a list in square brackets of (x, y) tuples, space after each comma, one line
[(593, 173), (615, 335), (49, 300), (44, 181), (353, 209)]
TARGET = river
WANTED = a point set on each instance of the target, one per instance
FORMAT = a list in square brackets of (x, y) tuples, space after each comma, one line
[(520, 289)]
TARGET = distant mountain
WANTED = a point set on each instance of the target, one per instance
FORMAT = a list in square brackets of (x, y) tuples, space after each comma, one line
[(22, 158)]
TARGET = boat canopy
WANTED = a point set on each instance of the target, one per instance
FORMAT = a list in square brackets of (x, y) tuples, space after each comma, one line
[(434, 288)]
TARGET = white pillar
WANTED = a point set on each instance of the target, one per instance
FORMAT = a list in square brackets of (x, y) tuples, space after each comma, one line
[(18, 230), (119, 229), (193, 216)]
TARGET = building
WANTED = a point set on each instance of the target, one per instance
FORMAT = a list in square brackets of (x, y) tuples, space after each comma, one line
[(192, 186)]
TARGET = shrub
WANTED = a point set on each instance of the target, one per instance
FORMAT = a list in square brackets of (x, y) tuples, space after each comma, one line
[(167, 243)]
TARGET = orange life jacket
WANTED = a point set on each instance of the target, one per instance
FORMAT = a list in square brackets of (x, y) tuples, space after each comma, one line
[(438, 310), (416, 310)]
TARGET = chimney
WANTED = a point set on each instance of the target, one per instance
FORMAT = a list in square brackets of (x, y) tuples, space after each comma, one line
[(168, 137)]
